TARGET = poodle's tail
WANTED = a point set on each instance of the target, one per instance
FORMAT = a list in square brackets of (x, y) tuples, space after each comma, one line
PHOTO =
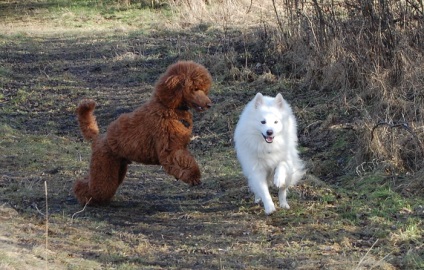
[(87, 120)]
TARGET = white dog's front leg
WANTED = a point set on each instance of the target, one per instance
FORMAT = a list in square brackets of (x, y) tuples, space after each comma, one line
[(269, 207), (281, 174), (282, 197), (259, 187)]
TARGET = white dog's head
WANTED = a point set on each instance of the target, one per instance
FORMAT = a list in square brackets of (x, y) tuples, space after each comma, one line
[(269, 115)]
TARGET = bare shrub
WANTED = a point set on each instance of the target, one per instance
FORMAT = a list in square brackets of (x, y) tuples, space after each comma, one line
[(371, 52)]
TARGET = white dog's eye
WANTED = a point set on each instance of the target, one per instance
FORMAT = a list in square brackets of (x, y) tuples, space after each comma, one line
[(276, 122), (263, 122)]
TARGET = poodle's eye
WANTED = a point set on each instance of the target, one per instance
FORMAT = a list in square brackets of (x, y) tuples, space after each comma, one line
[(276, 122), (263, 122)]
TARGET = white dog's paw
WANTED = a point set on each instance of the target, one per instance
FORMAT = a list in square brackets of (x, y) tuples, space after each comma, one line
[(282, 199), (270, 209), (281, 176), (284, 205), (280, 181)]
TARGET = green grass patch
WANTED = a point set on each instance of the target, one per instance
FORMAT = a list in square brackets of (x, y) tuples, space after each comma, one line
[(375, 202), (27, 152), (82, 14)]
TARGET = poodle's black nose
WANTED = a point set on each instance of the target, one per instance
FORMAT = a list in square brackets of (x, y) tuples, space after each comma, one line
[(269, 132), (209, 105)]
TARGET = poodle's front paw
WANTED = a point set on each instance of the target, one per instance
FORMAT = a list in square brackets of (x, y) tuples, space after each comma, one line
[(191, 181), (190, 176), (196, 182)]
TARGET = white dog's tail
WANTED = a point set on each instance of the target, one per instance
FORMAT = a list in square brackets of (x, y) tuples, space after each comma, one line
[(87, 120)]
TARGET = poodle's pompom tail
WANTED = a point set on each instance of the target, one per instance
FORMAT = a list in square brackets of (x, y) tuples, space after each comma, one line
[(87, 120)]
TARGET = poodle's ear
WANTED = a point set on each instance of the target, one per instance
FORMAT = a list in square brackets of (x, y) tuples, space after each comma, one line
[(169, 90), (259, 100), (279, 101), (173, 81)]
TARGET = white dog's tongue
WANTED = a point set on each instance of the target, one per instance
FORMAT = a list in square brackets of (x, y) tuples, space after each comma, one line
[(269, 139)]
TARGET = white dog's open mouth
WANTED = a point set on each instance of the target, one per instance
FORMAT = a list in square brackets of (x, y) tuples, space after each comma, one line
[(268, 139)]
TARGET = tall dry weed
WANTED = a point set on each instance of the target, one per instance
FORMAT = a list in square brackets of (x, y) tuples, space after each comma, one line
[(371, 51)]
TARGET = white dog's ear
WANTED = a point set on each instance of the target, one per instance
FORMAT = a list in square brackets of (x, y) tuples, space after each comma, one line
[(259, 100), (279, 101)]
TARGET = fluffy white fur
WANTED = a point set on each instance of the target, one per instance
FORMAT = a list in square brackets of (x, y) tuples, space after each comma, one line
[(266, 145)]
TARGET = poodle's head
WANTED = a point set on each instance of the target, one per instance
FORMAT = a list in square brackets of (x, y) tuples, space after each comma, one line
[(184, 85)]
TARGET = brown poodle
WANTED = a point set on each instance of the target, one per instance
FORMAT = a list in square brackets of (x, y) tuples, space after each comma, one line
[(157, 132)]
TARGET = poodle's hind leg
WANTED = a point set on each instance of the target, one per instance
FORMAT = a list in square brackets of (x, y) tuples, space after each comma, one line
[(106, 174), (123, 170), (82, 192), (183, 166)]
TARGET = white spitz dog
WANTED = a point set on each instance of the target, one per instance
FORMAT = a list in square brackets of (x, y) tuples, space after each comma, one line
[(266, 145)]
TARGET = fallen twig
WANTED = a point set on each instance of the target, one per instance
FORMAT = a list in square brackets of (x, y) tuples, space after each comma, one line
[(47, 226), (80, 211), (366, 254)]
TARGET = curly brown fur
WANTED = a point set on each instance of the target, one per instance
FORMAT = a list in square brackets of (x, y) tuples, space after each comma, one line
[(87, 120), (157, 132)]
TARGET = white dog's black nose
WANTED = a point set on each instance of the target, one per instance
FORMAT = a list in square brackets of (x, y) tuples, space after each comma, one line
[(269, 132)]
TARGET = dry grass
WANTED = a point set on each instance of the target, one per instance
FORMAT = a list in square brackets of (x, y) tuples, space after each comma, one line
[(359, 208)]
